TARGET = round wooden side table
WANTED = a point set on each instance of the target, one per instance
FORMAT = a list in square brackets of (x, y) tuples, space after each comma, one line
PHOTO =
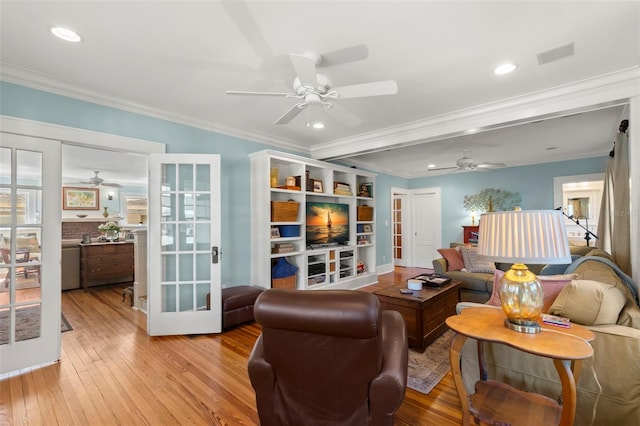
[(498, 403)]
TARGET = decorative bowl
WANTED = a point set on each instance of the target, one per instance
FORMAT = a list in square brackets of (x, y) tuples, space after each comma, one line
[(81, 216)]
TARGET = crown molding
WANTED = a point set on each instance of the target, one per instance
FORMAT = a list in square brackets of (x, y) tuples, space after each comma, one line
[(581, 96), (33, 80)]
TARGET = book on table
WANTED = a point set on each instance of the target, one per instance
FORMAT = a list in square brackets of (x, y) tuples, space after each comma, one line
[(556, 320)]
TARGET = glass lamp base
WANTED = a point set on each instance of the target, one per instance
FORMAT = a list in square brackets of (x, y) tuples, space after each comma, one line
[(521, 297), (523, 328)]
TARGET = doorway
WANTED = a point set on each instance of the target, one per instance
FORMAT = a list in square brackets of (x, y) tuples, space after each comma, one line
[(416, 232), (119, 180), (579, 197), (426, 226), (87, 139)]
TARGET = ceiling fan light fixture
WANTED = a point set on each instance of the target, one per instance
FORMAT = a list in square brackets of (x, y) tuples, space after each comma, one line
[(65, 34), (505, 68)]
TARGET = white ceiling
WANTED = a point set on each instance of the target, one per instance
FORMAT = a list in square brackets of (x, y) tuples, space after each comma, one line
[(175, 60)]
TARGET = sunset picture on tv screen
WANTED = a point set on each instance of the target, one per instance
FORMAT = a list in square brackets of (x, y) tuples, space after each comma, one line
[(327, 223)]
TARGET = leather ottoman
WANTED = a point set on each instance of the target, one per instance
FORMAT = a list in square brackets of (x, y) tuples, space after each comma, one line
[(237, 304)]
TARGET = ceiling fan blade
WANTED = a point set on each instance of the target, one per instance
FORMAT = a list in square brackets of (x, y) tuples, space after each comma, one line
[(243, 93), (490, 165), (442, 168), (377, 88), (346, 55), (246, 23), (344, 115), (291, 114), (113, 185), (305, 69)]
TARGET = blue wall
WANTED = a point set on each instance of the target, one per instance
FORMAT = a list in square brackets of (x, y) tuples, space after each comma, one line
[(31, 104), (534, 183)]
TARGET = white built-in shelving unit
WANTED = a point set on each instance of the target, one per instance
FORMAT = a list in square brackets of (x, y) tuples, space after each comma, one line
[(345, 265)]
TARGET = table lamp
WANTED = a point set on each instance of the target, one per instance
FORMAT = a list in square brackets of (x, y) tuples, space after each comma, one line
[(526, 236)]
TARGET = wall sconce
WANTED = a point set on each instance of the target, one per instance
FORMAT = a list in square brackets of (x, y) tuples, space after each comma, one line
[(110, 196)]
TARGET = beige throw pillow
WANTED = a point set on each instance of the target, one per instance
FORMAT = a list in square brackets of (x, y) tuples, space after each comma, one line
[(589, 302)]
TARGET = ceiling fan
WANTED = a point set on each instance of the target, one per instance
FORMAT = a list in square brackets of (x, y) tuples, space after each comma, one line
[(313, 88), (97, 181), (466, 164)]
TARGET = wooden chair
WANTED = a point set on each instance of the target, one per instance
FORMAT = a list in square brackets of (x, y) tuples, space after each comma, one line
[(22, 256)]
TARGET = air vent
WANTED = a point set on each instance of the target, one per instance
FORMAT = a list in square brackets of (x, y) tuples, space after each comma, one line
[(555, 54)]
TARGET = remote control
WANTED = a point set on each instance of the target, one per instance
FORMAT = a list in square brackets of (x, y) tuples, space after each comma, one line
[(406, 291)]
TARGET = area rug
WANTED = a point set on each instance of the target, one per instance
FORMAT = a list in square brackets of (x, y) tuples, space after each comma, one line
[(426, 369), (64, 324), (27, 324)]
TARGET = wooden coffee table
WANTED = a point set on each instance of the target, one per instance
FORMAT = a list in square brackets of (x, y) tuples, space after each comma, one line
[(424, 311)]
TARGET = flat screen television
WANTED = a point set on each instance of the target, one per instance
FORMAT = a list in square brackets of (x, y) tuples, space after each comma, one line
[(327, 223)]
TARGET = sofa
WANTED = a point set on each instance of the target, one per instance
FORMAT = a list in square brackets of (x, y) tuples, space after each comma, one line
[(478, 286), (604, 300), (70, 264)]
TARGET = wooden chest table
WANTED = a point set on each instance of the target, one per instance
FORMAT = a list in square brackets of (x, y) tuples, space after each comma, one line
[(424, 311)]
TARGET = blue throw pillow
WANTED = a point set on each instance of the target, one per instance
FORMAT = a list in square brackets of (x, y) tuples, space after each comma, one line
[(557, 269)]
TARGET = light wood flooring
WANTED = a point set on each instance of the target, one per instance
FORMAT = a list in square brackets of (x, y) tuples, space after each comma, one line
[(112, 373)]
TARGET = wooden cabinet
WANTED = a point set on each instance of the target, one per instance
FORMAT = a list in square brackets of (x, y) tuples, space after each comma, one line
[(106, 263), (470, 234), (329, 236)]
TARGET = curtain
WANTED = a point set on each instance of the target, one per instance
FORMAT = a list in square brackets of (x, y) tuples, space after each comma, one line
[(614, 232)]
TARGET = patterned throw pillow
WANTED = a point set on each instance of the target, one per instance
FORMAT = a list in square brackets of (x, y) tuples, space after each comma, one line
[(552, 285), (474, 263), (453, 258)]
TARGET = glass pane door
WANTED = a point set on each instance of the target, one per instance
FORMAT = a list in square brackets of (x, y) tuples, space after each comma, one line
[(184, 294), (30, 252)]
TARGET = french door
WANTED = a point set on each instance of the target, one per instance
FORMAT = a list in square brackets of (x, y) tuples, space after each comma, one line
[(184, 295), (426, 226), (30, 244)]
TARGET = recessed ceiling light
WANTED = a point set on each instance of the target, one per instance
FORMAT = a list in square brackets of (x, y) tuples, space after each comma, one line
[(473, 130), (431, 166), (318, 125), (505, 68), (65, 34)]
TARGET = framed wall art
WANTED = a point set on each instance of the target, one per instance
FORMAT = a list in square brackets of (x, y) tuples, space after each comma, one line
[(80, 198)]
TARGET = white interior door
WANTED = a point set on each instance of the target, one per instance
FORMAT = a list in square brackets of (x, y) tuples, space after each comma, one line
[(30, 245), (184, 244), (427, 227)]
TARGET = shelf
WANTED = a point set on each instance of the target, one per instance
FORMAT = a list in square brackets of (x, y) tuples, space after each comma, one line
[(307, 172), (277, 255), (284, 239), (490, 394)]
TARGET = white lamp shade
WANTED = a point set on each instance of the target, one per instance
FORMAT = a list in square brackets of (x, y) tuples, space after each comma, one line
[(526, 236)]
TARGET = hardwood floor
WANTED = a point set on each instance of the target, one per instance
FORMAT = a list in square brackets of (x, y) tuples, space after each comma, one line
[(111, 372)]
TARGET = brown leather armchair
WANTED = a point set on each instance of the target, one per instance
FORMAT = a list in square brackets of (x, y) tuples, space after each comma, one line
[(329, 357)]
